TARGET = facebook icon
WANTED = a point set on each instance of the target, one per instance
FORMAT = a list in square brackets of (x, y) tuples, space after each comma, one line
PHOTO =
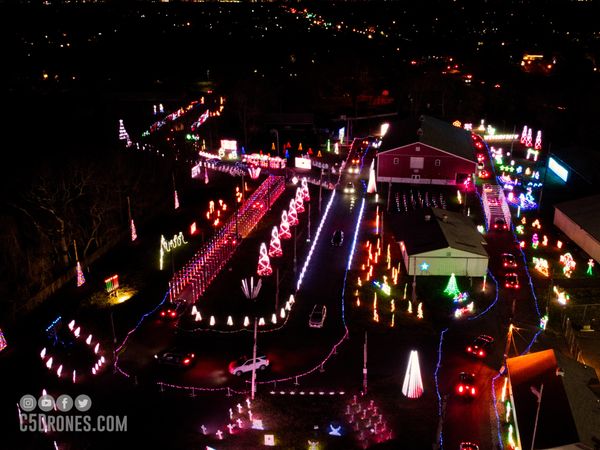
[(64, 403)]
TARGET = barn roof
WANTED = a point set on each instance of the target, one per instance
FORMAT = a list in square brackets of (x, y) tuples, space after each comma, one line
[(568, 400), (433, 132), (585, 212), (420, 235)]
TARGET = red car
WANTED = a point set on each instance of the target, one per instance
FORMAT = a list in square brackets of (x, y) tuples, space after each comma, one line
[(511, 280), (466, 385), (500, 224), (172, 310), (480, 345), (508, 260)]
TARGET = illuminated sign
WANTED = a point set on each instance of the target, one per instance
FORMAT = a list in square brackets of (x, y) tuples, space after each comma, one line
[(112, 283), (227, 144), (303, 163), (559, 170)]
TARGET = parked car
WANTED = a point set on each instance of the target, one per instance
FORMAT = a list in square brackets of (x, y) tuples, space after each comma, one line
[(337, 238), (244, 365), (511, 280), (508, 260), (176, 357), (465, 387), (480, 345), (317, 316)]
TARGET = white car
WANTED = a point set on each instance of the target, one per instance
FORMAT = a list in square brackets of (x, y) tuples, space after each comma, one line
[(244, 365), (317, 316)]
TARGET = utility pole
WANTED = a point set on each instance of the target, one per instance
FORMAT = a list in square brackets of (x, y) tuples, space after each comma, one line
[(295, 259), (308, 226), (365, 366), (320, 188), (276, 289), (539, 207), (508, 340), (251, 292), (389, 193), (537, 414), (253, 388)]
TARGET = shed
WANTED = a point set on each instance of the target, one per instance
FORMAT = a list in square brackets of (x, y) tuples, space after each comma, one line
[(435, 241)]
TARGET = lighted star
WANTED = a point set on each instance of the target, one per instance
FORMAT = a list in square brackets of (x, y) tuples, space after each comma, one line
[(424, 266)]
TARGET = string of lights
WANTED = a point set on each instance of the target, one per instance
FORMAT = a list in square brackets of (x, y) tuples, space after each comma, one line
[(491, 305), (312, 247), (437, 387)]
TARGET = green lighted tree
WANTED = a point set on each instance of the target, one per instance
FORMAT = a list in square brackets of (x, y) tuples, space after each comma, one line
[(452, 287)]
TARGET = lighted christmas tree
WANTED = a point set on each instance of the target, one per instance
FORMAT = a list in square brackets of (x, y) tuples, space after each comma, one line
[(284, 226), (305, 192), (80, 277), (3, 343), (275, 245), (452, 289), (133, 231), (123, 135), (538, 140), (529, 139), (264, 263), (292, 214), (299, 200), (524, 135), (413, 384), (372, 186)]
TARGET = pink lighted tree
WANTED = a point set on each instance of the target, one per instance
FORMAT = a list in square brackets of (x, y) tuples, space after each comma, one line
[(524, 135), (299, 200), (275, 245), (305, 192), (292, 214), (264, 263), (284, 227), (538, 140)]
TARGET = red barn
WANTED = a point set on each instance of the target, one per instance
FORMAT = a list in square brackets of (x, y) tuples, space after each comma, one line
[(426, 151)]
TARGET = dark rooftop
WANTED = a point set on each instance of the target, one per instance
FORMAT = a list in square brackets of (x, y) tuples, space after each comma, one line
[(420, 235), (585, 212)]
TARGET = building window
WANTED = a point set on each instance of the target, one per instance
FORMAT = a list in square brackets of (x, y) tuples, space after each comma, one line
[(417, 162), (417, 149), (396, 161), (438, 162)]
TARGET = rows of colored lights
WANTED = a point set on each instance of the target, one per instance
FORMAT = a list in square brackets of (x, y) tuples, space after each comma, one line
[(200, 271), (520, 180), (289, 218)]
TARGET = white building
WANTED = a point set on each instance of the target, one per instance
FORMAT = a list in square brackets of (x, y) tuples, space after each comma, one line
[(438, 242)]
